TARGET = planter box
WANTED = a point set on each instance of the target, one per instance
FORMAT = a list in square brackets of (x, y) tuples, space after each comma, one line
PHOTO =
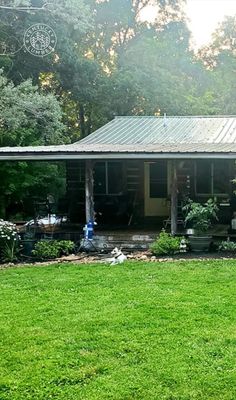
[(200, 243), (28, 246)]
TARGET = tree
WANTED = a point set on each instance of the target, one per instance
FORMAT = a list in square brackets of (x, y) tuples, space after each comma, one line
[(168, 77), (28, 117), (220, 59), (90, 58)]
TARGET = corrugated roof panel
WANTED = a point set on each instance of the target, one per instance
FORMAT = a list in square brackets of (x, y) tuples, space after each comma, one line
[(158, 130), (150, 135)]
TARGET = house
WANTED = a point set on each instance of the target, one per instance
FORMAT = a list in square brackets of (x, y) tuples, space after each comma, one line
[(137, 168)]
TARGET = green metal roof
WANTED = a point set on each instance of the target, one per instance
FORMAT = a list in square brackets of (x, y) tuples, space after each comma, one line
[(144, 137), (148, 131)]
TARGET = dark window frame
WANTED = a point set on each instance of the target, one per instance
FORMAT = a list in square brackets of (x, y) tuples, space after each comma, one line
[(106, 163), (212, 180), (160, 180)]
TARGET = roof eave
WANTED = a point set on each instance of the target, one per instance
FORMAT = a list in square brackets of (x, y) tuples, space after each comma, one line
[(63, 156)]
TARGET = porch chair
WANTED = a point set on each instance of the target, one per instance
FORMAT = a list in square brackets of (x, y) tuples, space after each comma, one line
[(180, 216)]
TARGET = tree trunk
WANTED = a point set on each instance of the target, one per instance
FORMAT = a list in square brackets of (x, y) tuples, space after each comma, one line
[(89, 125), (82, 121)]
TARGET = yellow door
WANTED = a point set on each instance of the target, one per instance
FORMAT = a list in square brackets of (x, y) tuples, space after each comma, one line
[(156, 188)]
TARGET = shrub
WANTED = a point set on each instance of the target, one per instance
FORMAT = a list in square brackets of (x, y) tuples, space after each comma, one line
[(227, 246), (46, 250), (166, 244), (66, 247), (9, 241)]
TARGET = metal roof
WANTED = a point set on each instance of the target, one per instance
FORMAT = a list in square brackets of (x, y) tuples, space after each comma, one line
[(165, 131), (152, 137)]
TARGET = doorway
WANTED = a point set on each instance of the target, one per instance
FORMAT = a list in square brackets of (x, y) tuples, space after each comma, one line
[(156, 189)]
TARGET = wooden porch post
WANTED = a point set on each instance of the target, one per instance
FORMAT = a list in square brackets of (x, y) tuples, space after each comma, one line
[(174, 197), (89, 198)]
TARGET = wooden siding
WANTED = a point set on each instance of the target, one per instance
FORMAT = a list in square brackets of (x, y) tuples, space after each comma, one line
[(76, 190)]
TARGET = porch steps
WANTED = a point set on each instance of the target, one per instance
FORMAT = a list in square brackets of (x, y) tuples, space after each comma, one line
[(127, 241)]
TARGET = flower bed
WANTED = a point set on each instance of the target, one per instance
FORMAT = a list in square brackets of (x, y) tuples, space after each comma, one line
[(9, 241)]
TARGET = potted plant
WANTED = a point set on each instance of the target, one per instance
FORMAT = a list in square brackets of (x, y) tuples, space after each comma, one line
[(201, 217)]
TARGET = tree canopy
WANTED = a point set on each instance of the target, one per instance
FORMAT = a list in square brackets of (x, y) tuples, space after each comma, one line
[(28, 116)]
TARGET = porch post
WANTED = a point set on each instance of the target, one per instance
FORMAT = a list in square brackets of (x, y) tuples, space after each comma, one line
[(174, 197), (89, 198)]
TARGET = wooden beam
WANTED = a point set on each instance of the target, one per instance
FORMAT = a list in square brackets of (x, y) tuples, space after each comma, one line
[(89, 195), (174, 197)]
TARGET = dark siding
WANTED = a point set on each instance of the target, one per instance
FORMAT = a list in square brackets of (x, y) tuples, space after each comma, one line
[(76, 191)]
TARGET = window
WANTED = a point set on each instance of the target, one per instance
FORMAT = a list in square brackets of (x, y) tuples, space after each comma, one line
[(108, 177), (204, 177), (211, 177), (158, 179), (221, 177), (100, 178)]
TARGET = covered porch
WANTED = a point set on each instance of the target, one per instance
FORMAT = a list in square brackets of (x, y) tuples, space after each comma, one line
[(148, 193), (138, 172)]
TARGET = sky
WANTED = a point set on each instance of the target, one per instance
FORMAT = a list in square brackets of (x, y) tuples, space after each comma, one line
[(203, 17)]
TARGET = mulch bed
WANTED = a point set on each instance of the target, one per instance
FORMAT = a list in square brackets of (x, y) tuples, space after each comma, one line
[(145, 256)]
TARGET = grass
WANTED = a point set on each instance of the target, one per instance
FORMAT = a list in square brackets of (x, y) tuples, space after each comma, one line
[(162, 331)]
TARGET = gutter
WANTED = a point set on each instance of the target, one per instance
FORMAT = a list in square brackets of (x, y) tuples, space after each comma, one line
[(4, 156)]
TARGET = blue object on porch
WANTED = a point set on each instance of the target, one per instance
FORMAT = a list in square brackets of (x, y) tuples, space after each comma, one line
[(87, 243), (88, 230)]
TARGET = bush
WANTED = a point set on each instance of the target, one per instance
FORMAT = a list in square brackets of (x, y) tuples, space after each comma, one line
[(66, 247), (227, 246), (48, 250), (166, 244), (9, 241)]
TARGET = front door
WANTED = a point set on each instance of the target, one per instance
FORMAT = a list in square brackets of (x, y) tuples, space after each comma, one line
[(156, 189)]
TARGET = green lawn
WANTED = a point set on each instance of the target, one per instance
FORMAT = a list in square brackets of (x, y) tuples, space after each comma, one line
[(136, 331)]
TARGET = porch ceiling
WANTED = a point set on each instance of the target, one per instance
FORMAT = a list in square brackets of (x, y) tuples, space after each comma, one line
[(143, 138)]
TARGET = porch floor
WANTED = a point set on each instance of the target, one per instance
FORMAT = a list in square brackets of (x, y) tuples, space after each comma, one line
[(129, 238), (136, 237)]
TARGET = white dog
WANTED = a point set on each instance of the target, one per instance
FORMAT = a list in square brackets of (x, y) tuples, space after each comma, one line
[(118, 256)]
